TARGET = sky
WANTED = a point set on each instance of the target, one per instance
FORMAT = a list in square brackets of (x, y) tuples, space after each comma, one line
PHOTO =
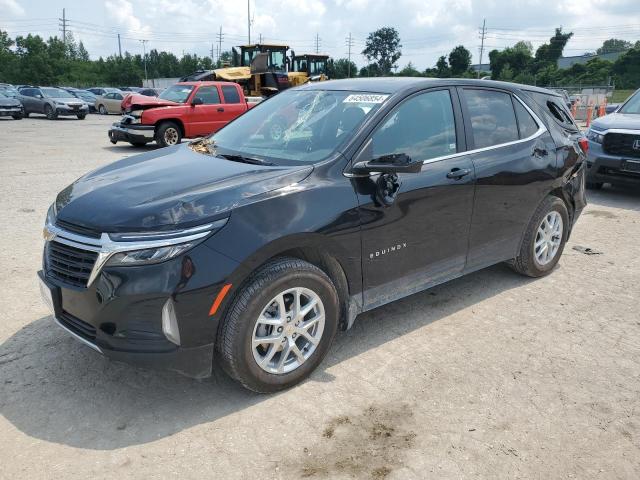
[(428, 28)]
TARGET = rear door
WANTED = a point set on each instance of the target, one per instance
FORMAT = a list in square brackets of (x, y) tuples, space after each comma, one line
[(206, 117), (514, 160), (233, 104), (28, 100), (421, 237)]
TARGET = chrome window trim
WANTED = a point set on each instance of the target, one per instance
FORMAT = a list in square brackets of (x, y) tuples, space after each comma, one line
[(77, 337), (105, 247), (541, 130)]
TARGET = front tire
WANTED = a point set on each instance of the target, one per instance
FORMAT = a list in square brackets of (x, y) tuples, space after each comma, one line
[(17, 116), (279, 326), (168, 134), (544, 239), (137, 144), (49, 112), (81, 116)]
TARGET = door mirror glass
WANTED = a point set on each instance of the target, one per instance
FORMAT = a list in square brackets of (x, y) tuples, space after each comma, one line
[(197, 101)]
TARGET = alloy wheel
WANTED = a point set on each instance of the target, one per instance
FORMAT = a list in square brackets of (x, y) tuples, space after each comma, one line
[(288, 330), (548, 238)]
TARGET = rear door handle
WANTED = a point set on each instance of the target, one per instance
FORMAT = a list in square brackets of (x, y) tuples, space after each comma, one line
[(220, 109), (458, 173)]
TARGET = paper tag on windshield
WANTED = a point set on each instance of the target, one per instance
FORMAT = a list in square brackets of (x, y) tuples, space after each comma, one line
[(365, 98)]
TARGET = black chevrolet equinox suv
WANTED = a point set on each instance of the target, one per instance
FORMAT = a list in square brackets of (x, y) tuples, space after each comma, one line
[(253, 249)]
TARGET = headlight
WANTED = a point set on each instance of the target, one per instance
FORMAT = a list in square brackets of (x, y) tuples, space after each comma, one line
[(144, 248), (595, 136), (136, 116), (149, 256)]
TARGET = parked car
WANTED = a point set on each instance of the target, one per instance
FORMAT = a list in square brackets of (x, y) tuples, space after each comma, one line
[(52, 102), (254, 251), (10, 107), (614, 146), (150, 92), (109, 103), (184, 110), (86, 96), (8, 90), (103, 90)]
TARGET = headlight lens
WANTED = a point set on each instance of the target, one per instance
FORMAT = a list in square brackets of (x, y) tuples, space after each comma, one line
[(149, 256), (595, 136)]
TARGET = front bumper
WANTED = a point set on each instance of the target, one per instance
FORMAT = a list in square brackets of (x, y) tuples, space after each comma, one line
[(10, 111), (131, 133), (63, 110), (119, 315), (603, 167)]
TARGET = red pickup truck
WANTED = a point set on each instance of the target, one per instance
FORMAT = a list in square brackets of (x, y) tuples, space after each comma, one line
[(184, 110)]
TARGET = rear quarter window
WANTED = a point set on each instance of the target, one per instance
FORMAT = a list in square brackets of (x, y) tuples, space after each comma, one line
[(554, 108)]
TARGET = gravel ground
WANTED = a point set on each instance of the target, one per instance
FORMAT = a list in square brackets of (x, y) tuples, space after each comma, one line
[(489, 376)]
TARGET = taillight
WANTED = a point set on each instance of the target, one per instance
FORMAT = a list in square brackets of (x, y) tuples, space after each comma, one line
[(584, 144)]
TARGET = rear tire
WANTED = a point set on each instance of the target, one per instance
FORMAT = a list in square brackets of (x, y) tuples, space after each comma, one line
[(49, 112), (539, 240), (168, 134), (257, 300), (102, 109)]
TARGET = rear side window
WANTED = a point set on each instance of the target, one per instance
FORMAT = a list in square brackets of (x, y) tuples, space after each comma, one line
[(526, 123), (230, 94), (493, 121), (209, 95)]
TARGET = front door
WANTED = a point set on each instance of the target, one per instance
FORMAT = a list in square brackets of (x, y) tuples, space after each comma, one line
[(206, 117), (418, 237)]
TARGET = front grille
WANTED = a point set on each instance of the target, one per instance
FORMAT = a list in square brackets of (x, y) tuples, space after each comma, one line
[(68, 264), (621, 144), (77, 326), (73, 228)]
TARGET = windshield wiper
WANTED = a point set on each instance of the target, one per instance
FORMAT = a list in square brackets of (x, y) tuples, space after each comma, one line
[(244, 159)]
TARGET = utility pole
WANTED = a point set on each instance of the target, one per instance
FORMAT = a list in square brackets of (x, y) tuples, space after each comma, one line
[(249, 21), (212, 57), (350, 43), (260, 37), (119, 46), (144, 57), (482, 37), (63, 25), (220, 36), (317, 43)]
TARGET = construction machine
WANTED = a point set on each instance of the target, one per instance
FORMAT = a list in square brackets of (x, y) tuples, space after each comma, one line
[(261, 69), (309, 67)]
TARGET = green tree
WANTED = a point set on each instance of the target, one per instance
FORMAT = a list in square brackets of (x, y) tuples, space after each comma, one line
[(459, 60), (383, 46), (549, 53), (341, 68), (626, 69), (409, 71), (442, 67), (371, 70), (614, 45)]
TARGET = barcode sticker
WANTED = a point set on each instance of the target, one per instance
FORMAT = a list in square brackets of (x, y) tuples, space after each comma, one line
[(365, 98)]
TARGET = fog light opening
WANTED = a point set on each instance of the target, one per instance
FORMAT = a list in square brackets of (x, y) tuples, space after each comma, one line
[(170, 322)]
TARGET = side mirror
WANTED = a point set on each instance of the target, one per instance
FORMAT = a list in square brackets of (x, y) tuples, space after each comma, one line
[(197, 101)]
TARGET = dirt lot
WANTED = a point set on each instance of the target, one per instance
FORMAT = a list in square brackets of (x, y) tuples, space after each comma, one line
[(489, 376)]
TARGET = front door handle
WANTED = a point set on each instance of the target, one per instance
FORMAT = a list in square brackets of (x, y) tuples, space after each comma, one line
[(458, 173), (220, 109)]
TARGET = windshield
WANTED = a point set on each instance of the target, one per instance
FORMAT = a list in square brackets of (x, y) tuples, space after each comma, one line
[(277, 59), (632, 105), (297, 125), (9, 91), (56, 93), (316, 67), (177, 93)]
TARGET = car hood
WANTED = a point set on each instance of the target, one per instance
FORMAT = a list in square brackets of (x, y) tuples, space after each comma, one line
[(627, 121), (143, 102), (166, 189), (9, 102)]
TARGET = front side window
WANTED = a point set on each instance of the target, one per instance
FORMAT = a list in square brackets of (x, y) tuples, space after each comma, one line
[(177, 93), (298, 126), (493, 120), (422, 127), (277, 60), (209, 95)]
